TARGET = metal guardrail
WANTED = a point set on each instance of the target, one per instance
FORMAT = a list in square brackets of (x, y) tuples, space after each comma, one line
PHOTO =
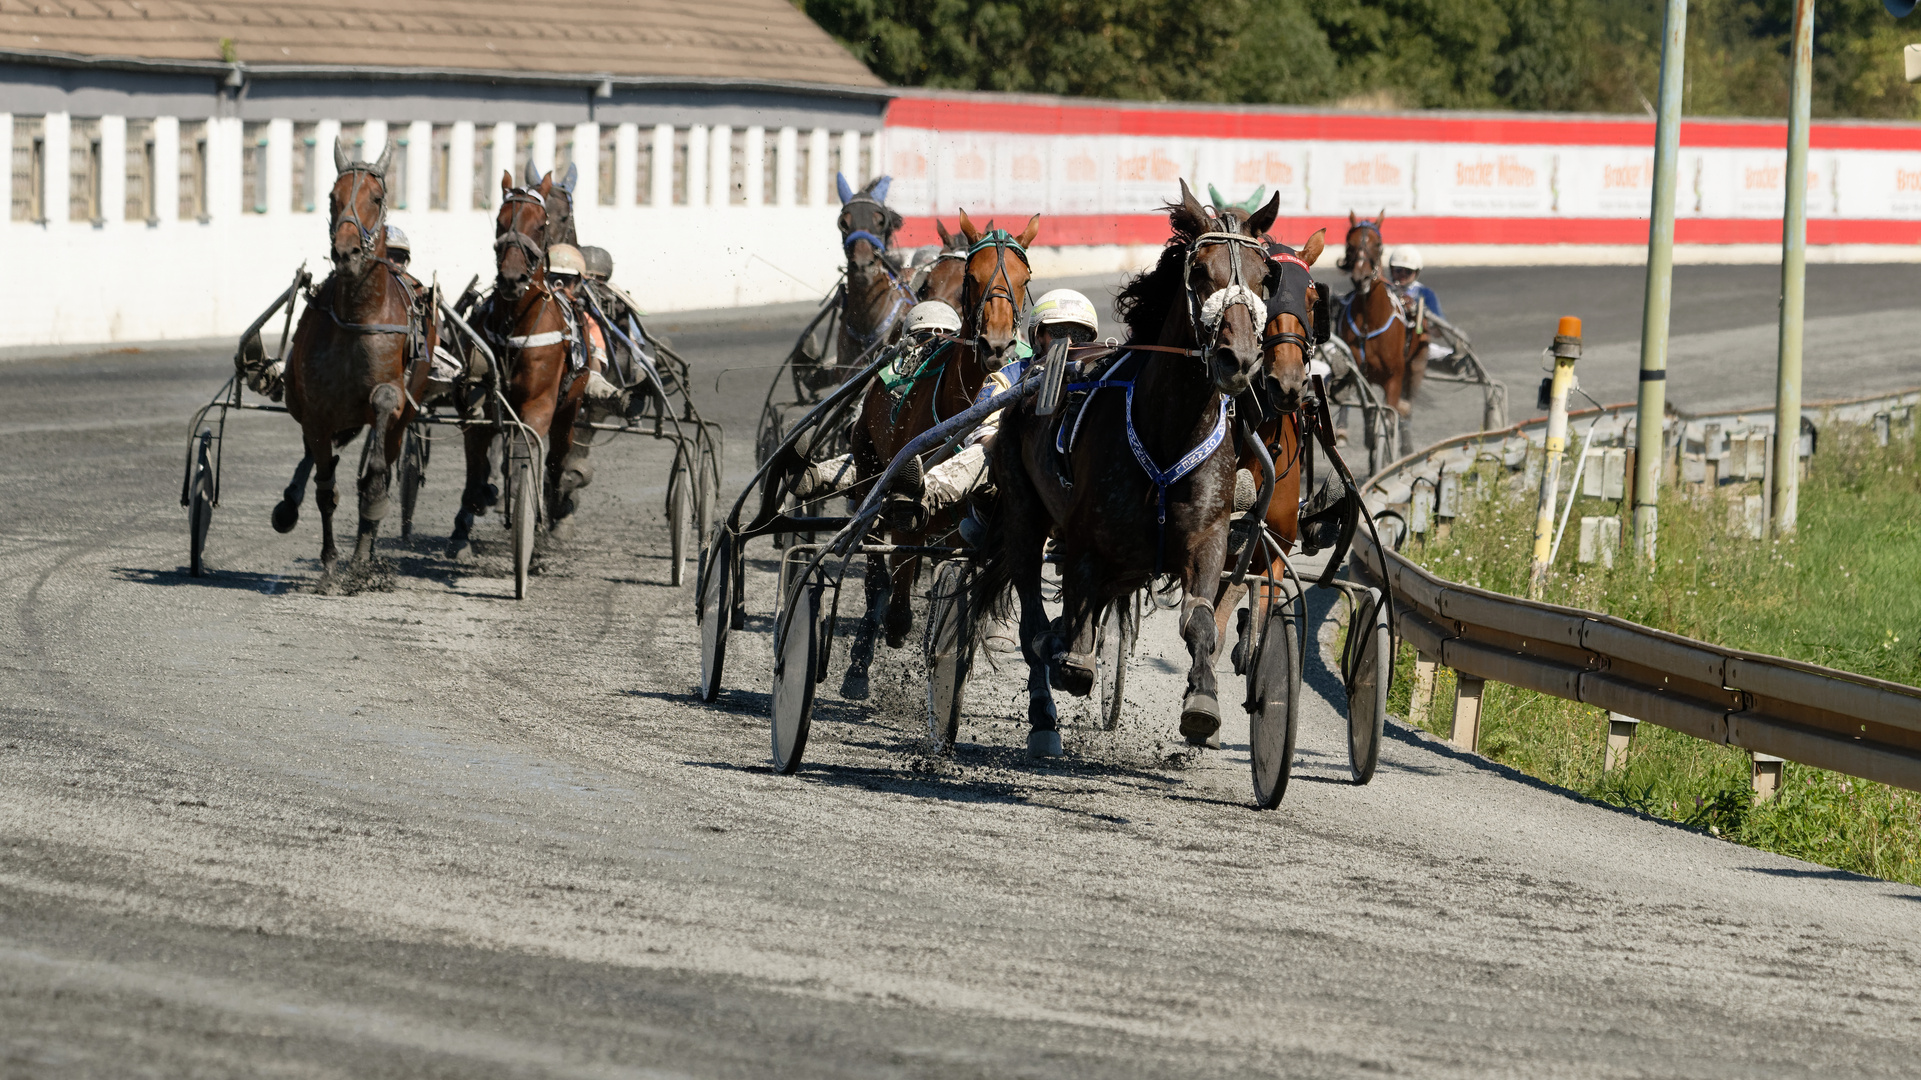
[(1769, 705)]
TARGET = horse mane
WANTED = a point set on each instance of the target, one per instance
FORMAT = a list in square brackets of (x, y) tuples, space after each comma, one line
[(1143, 303)]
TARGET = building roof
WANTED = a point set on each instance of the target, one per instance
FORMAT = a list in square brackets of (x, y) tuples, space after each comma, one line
[(761, 40)]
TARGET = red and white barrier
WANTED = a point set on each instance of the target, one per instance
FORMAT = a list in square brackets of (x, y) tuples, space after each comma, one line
[(1483, 188)]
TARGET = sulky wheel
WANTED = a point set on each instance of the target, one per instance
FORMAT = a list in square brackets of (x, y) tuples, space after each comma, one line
[(200, 506), (523, 508), (413, 474), (948, 646), (716, 584), (1370, 671), (1273, 696), (796, 650), (681, 507), (1113, 644)]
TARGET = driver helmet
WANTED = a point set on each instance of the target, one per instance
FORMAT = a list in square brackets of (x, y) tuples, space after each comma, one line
[(1064, 306), (600, 264), (397, 242), (933, 315), (1405, 257), (564, 260)]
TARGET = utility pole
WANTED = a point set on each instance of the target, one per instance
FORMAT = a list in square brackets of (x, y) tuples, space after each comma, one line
[(1660, 288), (1794, 279)]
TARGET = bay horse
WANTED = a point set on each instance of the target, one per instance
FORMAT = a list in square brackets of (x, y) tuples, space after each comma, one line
[(527, 329), (560, 202), (993, 295), (1374, 322), (347, 367), (1143, 482), (945, 276), (876, 294)]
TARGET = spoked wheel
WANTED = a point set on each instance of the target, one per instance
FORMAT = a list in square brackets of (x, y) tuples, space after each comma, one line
[(413, 474), (200, 506), (523, 510), (795, 653), (1273, 698), (1370, 671), (1114, 643), (715, 610), (948, 646), (681, 501)]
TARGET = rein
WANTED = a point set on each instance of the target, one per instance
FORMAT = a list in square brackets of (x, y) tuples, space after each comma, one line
[(362, 171)]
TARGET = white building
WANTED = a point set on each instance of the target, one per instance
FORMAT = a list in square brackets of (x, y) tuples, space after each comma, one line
[(171, 163)]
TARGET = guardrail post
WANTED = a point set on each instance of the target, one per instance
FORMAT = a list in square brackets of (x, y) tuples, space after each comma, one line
[(1423, 697), (1465, 732), (1620, 738), (1567, 349), (1767, 777)]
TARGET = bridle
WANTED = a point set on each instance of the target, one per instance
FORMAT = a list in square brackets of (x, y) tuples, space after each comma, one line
[(1209, 315), (362, 172), (1347, 262), (1000, 284)]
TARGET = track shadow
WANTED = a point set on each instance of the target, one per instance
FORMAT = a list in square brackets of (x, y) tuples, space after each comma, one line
[(1817, 875), (931, 786), (244, 580)]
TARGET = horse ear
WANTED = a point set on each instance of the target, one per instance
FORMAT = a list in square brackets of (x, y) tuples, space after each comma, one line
[(846, 189), (968, 230), (878, 189), (1188, 215), (532, 173), (1311, 251), (573, 177), (340, 155), (946, 237), (546, 187), (1263, 218), (506, 179), (386, 158), (1214, 194), (1352, 220), (1033, 229), (1382, 219)]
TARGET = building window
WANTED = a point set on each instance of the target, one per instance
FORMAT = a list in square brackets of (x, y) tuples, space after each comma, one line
[(140, 171), (605, 172), (769, 165), (837, 162), (523, 153), (29, 168), (737, 167), (83, 171), (803, 157), (253, 167), (396, 179), (354, 137), (484, 177), (869, 167), (681, 135), (563, 153), (193, 172), (439, 166), (644, 168), (306, 145)]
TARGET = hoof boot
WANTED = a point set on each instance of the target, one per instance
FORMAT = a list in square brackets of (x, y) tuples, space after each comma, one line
[(1044, 744)]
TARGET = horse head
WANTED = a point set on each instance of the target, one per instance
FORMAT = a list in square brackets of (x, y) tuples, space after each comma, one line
[(1227, 276), (560, 203), (994, 292), (520, 233), (867, 223), (1288, 338), (358, 206), (1363, 257), (948, 275)]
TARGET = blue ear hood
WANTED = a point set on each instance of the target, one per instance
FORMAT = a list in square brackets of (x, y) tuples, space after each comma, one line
[(846, 190), (880, 189), (573, 177)]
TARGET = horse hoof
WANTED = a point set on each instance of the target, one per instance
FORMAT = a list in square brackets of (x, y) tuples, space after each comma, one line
[(562, 530), (461, 550), (1042, 745), (853, 685), (285, 516), (1072, 673), (1201, 720)]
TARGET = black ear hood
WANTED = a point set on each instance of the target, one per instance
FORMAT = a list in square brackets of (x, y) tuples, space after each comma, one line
[(1295, 293)]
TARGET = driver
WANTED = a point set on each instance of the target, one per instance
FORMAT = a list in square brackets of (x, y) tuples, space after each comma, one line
[(1404, 263), (567, 269)]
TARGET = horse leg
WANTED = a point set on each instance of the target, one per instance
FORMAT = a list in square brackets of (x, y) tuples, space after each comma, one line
[(476, 496), (1044, 734), (286, 513), (325, 496), (375, 472), (860, 654), (1073, 659), (900, 602), (1200, 581), (568, 470)]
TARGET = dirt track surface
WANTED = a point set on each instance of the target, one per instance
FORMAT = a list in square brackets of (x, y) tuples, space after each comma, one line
[(250, 829)]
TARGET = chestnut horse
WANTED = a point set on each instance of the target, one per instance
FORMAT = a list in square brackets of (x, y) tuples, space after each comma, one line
[(993, 296), (524, 324), (1143, 483), (1374, 322), (347, 368)]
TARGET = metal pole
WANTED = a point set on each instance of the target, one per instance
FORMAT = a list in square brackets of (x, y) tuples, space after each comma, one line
[(1567, 349), (1660, 287), (1794, 279)]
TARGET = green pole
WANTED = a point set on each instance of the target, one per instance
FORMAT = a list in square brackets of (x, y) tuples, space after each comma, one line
[(1794, 278), (1660, 288)]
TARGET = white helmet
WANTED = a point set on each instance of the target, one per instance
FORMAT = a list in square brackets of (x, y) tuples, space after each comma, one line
[(397, 240), (564, 260), (1064, 306), (933, 315), (1405, 257)]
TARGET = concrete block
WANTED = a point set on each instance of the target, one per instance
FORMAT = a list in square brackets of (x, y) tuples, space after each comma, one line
[(1754, 517), (1448, 503), (1591, 470), (1621, 729), (1590, 540), (1610, 540), (1694, 469), (1614, 473)]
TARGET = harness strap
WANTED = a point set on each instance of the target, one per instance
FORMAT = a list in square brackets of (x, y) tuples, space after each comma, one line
[(534, 341)]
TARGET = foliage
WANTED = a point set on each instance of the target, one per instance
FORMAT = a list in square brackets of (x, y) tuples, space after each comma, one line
[(1841, 593), (1592, 55)]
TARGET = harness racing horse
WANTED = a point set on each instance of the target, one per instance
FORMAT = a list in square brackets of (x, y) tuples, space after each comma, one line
[(945, 277), (1374, 322), (527, 327), (992, 297), (560, 202), (876, 295), (1139, 480), (347, 368)]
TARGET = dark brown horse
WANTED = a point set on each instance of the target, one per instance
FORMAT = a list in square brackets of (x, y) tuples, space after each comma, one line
[(1146, 485), (992, 297), (874, 304), (560, 202), (528, 331), (347, 368), (1374, 323)]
